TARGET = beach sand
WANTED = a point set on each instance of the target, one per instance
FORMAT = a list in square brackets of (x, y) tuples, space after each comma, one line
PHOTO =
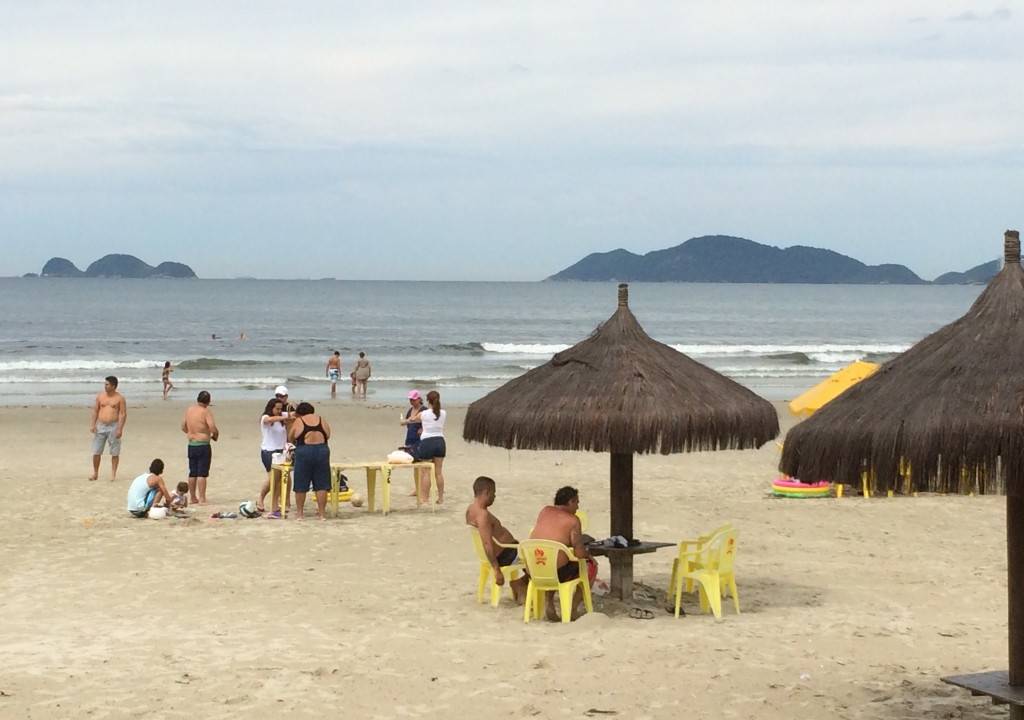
[(851, 608)]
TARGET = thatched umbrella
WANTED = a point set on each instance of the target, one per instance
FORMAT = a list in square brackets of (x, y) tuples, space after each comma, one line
[(619, 391), (950, 410)]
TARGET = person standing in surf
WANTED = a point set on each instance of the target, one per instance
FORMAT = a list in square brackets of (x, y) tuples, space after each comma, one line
[(166, 378), (334, 372)]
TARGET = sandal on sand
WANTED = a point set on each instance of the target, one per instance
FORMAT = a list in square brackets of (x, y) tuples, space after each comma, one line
[(639, 613)]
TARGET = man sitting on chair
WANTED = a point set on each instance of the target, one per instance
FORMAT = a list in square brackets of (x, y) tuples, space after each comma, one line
[(479, 515), (558, 522)]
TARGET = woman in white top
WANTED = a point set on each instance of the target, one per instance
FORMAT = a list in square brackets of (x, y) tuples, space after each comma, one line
[(273, 439), (432, 446)]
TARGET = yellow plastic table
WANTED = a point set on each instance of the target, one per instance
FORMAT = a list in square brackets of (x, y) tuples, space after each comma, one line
[(282, 474), (384, 469)]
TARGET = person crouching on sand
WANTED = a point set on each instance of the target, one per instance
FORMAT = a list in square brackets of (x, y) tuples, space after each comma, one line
[(146, 488), (479, 515)]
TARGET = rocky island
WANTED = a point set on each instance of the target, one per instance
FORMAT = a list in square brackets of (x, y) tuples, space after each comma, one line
[(116, 266), (727, 259)]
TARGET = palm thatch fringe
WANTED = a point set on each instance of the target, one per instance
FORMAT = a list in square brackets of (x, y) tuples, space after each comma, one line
[(945, 416), (621, 391)]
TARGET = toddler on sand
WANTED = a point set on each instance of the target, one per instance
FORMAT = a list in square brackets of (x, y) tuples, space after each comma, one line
[(179, 499)]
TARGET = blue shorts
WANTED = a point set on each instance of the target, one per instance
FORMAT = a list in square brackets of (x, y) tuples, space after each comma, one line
[(199, 459), (150, 499), (312, 468), (267, 457), (430, 448)]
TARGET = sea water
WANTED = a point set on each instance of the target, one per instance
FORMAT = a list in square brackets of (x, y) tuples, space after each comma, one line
[(60, 337)]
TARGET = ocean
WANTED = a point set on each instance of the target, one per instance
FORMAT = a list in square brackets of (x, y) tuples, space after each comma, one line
[(60, 337)]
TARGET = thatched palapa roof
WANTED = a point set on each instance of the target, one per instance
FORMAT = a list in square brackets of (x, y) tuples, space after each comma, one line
[(950, 406), (620, 391)]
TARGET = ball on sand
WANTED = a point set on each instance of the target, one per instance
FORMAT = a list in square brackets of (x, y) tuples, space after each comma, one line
[(356, 500)]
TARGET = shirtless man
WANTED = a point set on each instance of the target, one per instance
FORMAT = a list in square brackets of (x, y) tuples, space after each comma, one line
[(109, 414), (478, 515), (201, 430), (558, 522), (334, 372)]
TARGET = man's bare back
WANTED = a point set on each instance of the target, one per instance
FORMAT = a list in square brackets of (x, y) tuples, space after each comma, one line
[(199, 424), (554, 523)]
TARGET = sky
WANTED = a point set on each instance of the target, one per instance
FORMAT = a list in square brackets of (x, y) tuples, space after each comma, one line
[(487, 141)]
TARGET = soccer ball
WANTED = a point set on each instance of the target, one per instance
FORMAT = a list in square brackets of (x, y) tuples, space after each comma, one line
[(356, 500), (248, 509)]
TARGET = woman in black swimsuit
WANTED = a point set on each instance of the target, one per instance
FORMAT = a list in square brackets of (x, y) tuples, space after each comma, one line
[(310, 433)]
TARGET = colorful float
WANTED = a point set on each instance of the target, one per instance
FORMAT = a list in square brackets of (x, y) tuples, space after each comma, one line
[(788, 487)]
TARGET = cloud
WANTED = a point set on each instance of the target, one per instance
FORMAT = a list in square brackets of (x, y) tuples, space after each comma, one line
[(455, 116), (1001, 14)]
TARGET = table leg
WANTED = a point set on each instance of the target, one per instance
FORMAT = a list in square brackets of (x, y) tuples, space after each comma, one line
[(286, 481), (386, 472), (371, 490), (433, 482), (275, 476), (622, 577), (335, 490)]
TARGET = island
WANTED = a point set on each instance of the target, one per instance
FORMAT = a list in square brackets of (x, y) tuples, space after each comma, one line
[(116, 266), (728, 259)]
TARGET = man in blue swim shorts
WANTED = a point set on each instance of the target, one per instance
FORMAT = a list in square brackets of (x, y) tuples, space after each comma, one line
[(201, 429), (334, 371)]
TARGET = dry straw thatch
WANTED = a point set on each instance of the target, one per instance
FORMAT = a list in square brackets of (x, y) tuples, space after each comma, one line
[(620, 391), (949, 408)]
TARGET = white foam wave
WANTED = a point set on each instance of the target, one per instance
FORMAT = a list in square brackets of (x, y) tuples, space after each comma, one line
[(827, 352), (523, 349), (824, 353), (89, 380), (58, 365)]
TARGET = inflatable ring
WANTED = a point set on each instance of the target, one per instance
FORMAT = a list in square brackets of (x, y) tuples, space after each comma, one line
[(787, 487)]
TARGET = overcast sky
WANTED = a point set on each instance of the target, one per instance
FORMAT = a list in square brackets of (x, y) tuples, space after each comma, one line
[(478, 141)]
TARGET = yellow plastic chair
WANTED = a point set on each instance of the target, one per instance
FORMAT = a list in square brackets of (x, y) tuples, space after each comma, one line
[(685, 546), (713, 573), (541, 558), (511, 572), (584, 519)]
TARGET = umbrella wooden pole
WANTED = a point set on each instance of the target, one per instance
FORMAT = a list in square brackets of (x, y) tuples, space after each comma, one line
[(622, 523), (1015, 591)]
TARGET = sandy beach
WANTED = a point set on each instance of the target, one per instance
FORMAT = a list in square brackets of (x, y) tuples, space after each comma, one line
[(851, 608)]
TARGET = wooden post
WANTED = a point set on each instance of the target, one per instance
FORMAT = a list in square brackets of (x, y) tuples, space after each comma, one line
[(1015, 592), (622, 522)]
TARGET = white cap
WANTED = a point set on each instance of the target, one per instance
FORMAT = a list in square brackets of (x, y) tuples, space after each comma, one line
[(280, 390)]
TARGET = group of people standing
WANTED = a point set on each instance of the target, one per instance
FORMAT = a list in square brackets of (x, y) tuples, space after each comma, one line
[(282, 427), (360, 374), (309, 433), (424, 440)]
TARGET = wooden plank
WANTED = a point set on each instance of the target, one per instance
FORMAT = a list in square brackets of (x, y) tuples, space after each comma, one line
[(994, 684)]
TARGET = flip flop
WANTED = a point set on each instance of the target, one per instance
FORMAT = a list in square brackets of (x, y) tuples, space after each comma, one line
[(639, 613)]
